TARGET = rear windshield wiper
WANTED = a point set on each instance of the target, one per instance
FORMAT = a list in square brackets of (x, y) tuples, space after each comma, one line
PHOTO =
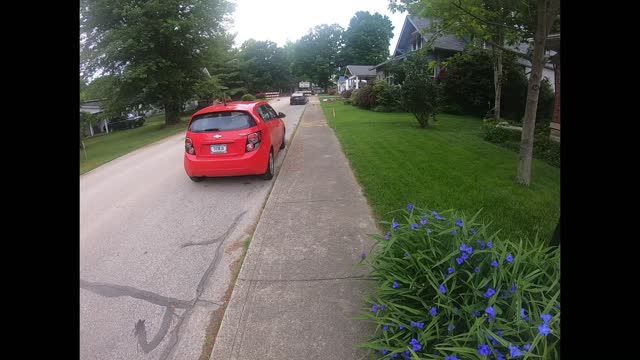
[(211, 129)]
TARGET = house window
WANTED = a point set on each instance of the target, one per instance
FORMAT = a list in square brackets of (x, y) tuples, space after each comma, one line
[(417, 42)]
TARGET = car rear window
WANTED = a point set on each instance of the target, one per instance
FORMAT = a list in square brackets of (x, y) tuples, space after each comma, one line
[(222, 121)]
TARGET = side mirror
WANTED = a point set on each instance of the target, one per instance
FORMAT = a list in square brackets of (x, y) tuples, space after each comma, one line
[(281, 115)]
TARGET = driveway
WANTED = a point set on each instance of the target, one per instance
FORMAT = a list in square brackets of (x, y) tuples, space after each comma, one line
[(158, 252)]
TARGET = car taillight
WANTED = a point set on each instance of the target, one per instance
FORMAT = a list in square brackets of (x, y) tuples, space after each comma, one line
[(188, 146), (253, 141)]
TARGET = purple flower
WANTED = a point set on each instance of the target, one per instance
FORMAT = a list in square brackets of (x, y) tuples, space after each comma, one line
[(363, 255), (414, 226), (463, 247), (476, 313), (481, 244), (400, 327), (415, 345), (459, 261), (491, 313), (395, 285), (406, 354), (420, 325), (523, 315), (526, 347), (489, 293), (465, 256), (477, 269), (394, 355), (382, 307), (396, 226), (388, 236), (451, 270), (499, 332), (433, 311), (546, 318), (484, 350), (435, 214), (473, 231), (513, 288), (443, 289), (423, 222), (494, 342), (423, 216), (514, 352), (490, 245), (452, 357), (384, 351), (385, 328), (495, 264), (454, 232), (509, 258), (459, 223), (374, 308), (499, 356), (410, 207), (544, 330)]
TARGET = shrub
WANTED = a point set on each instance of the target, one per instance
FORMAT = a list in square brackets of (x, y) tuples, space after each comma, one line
[(248, 97), (354, 97), (387, 97), (261, 95), (446, 284), (366, 97), (468, 85), (421, 95), (346, 94), (333, 91), (544, 148)]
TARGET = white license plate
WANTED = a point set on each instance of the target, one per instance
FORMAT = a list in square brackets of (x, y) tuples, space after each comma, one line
[(219, 149)]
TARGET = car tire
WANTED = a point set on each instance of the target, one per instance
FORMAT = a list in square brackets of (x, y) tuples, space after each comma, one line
[(196, 178), (284, 137), (270, 167)]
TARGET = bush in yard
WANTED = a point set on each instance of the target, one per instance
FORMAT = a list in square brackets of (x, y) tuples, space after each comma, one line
[(333, 91), (448, 287), (346, 94), (366, 98), (544, 148), (248, 97), (387, 97), (468, 87), (421, 95)]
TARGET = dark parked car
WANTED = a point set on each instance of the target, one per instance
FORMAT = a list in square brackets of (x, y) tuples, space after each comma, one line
[(132, 121), (298, 99)]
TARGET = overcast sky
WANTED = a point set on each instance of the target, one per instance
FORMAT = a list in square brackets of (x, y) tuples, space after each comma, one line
[(283, 20)]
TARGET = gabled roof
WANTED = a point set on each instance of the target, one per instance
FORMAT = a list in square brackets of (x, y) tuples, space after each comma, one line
[(361, 70), (447, 42)]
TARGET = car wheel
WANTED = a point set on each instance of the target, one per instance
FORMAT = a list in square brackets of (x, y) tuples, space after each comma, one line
[(196, 178), (284, 137), (270, 167)]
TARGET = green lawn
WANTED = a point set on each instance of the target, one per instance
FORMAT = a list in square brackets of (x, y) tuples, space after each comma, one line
[(446, 166), (102, 149)]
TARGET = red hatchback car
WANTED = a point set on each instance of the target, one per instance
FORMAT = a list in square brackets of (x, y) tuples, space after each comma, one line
[(239, 138)]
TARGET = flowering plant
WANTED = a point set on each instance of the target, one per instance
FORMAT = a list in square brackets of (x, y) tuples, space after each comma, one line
[(449, 288)]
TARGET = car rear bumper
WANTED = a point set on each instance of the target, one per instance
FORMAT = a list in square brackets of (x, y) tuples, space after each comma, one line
[(253, 163)]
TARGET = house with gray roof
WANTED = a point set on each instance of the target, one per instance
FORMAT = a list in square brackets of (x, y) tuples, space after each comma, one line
[(416, 33), (356, 76)]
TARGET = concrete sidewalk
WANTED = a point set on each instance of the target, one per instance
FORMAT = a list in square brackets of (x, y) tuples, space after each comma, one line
[(299, 287)]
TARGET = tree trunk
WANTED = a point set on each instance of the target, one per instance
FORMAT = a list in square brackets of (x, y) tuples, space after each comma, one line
[(537, 64), (171, 113), (497, 77)]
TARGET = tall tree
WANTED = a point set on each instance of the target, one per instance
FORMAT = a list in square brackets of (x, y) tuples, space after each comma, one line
[(156, 49), (265, 66), (315, 54), (366, 40), (494, 22), (547, 13)]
